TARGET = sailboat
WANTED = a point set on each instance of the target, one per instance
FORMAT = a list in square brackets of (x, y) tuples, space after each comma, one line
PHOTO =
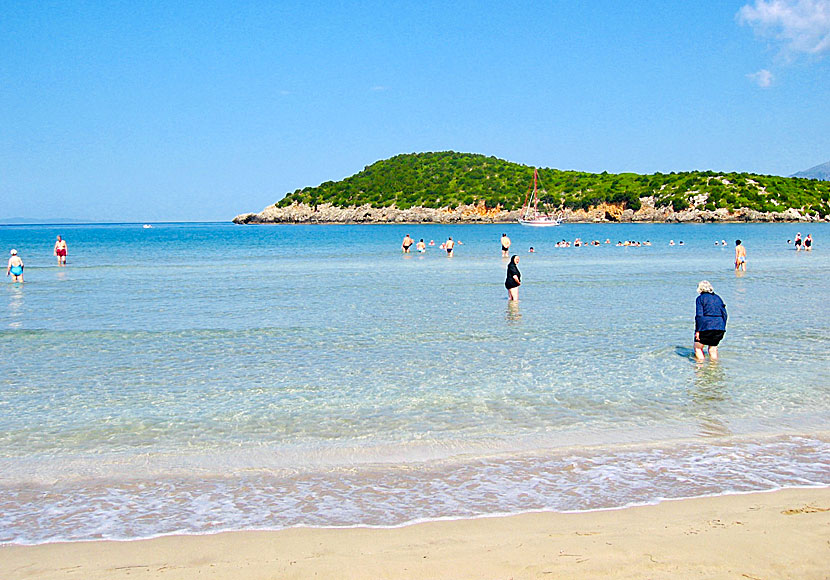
[(530, 214)]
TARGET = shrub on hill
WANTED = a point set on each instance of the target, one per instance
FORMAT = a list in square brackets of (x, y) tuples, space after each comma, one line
[(449, 179)]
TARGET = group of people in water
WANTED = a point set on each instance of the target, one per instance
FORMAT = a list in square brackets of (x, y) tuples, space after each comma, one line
[(806, 244), (15, 265), (710, 310), (578, 243), (421, 246)]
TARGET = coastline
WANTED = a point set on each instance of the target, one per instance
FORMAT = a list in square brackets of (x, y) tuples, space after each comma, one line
[(328, 214), (780, 534)]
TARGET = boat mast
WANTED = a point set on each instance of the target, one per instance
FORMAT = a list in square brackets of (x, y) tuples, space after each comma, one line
[(528, 199), (535, 194)]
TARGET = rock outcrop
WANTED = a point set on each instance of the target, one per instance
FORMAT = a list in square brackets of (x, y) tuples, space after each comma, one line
[(300, 213)]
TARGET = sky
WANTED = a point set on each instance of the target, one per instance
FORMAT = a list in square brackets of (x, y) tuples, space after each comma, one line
[(199, 111)]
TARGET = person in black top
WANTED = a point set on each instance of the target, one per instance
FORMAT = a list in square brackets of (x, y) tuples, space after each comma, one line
[(514, 278)]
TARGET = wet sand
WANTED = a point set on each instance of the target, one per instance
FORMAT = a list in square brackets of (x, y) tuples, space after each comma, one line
[(783, 534)]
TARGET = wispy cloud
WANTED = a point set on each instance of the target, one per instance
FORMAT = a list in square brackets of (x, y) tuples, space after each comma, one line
[(763, 78), (379, 88), (796, 26)]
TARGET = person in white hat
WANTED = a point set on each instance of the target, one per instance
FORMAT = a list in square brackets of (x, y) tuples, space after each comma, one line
[(15, 267)]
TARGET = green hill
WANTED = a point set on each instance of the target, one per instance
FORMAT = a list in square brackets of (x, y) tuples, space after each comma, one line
[(447, 178)]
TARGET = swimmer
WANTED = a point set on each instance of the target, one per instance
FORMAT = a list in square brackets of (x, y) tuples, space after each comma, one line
[(680, 243), (514, 279), (448, 245), (808, 243), (647, 243), (607, 241), (421, 246), (740, 256), (406, 244), (505, 246), (432, 242), (671, 242), (723, 242), (531, 250), (15, 267), (798, 242), (710, 321), (60, 251)]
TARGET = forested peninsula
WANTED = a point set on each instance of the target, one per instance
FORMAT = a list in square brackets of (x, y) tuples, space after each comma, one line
[(450, 187)]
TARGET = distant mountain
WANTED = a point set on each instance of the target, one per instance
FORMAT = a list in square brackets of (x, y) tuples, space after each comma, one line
[(818, 172), (28, 221)]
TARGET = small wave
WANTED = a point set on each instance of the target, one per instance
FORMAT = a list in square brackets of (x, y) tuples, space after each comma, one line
[(573, 480)]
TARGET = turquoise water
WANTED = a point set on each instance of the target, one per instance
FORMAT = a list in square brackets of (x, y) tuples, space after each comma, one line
[(204, 377)]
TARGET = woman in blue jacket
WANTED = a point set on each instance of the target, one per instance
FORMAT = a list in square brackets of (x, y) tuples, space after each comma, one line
[(710, 320)]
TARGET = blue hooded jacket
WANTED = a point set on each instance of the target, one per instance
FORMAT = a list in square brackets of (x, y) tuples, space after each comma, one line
[(710, 312)]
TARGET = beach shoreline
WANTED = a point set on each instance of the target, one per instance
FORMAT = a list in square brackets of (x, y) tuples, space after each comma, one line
[(778, 534)]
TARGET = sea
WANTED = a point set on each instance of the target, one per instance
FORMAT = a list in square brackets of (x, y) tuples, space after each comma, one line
[(192, 378)]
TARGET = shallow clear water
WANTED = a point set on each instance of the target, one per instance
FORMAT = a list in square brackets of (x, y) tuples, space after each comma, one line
[(201, 377)]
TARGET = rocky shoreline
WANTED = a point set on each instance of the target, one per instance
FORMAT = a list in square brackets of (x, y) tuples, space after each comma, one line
[(300, 213)]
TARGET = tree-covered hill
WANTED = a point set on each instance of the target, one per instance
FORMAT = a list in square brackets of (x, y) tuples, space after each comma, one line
[(449, 179)]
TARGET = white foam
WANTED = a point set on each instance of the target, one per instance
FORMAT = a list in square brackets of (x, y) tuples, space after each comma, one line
[(389, 496)]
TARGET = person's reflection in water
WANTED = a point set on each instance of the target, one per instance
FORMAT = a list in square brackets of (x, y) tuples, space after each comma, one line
[(513, 313), (15, 306), (708, 399)]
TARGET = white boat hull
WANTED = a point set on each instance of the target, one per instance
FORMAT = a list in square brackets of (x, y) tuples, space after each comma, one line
[(540, 223)]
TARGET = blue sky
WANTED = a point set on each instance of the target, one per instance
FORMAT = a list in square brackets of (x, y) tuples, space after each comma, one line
[(142, 111)]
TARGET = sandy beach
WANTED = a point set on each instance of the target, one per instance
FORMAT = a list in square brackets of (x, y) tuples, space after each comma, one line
[(783, 534)]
